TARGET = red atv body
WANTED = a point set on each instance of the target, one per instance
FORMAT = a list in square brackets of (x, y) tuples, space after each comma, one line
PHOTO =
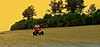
[(38, 31)]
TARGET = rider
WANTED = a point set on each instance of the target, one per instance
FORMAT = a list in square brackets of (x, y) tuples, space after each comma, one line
[(37, 27)]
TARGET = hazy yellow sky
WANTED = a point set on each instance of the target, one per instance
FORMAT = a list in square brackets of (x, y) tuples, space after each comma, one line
[(11, 10)]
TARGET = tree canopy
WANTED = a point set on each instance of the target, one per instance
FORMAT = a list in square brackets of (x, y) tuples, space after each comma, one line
[(56, 7), (29, 13), (91, 9), (75, 6)]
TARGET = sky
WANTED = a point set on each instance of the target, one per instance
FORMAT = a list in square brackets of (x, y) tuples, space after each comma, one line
[(11, 10)]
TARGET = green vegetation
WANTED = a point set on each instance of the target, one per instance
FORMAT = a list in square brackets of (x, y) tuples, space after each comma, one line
[(56, 18)]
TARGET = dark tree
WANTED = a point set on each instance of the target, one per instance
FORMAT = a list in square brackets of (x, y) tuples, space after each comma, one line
[(92, 9), (29, 13), (75, 6), (56, 7)]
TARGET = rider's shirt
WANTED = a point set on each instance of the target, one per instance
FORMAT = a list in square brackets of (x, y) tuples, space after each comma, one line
[(37, 26)]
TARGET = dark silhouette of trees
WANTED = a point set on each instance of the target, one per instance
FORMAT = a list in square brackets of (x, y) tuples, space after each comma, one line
[(47, 16), (70, 19), (92, 9), (96, 17), (75, 6), (74, 18), (29, 13), (56, 7)]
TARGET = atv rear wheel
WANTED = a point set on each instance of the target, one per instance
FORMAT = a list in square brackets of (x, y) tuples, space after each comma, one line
[(42, 33)]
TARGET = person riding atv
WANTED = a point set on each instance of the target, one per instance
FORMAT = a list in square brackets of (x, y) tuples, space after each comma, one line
[(38, 30)]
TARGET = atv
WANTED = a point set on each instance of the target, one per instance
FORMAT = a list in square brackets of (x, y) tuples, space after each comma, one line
[(38, 31)]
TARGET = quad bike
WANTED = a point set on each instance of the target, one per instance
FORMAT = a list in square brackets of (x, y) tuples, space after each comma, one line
[(38, 31)]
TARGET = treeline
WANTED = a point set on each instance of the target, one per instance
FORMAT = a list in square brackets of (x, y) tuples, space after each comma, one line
[(74, 19), (55, 17), (70, 19)]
